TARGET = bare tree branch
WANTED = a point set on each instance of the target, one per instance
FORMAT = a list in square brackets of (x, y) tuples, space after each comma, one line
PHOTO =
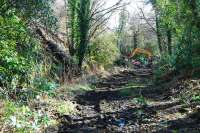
[(101, 23), (99, 17), (147, 21)]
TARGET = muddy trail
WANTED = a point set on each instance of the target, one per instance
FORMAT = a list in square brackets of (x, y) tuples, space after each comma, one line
[(128, 102)]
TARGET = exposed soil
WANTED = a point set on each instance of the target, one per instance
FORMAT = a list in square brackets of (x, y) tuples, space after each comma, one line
[(127, 102)]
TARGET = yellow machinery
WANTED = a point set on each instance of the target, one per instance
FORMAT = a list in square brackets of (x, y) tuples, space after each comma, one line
[(141, 51)]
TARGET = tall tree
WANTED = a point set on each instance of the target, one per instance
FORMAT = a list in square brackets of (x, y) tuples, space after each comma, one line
[(135, 39), (123, 19), (89, 17), (83, 23), (158, 28), (159, 35), (169, 41), (72, 23)]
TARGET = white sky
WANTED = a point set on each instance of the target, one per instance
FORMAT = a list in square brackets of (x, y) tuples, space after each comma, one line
[(132, 8)]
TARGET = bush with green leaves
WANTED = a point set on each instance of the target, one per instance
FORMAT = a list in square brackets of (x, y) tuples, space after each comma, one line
[(103, 50), (17, 51), (179, 25), (29, 10), (164, 65), (44, 85)]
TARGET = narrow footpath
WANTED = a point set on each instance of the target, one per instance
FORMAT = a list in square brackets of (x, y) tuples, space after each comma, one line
[(128, 102)]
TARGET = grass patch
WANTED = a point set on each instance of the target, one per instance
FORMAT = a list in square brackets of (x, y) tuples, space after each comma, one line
[(62, 107), (73, 89), (130, 90), (142, 101)]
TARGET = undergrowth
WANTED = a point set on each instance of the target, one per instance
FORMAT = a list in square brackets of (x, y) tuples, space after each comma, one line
[(39, 109)]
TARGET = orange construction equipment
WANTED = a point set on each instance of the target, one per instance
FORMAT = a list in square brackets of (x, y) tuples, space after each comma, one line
[(141, 51)]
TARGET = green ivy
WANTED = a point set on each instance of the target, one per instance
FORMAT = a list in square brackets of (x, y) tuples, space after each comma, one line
[(16, 51)]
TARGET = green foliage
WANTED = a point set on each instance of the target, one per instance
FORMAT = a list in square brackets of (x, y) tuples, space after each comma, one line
[(142, 58), (23, 119), (165, 64), (39, 10), (63, 107), (196, 98), (20, 53), (17, 52), (83, 29), (181, 18), (43, 85), (140, 101), (103, 50), (72, 6), (79, 14)]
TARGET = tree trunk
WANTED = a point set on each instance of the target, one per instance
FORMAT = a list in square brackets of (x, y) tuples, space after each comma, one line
[(159, 36), (83, 25), (169, 41), (61, 56), (81, 52), (135, 40), (196, 19), (72, 25), (72, 49)]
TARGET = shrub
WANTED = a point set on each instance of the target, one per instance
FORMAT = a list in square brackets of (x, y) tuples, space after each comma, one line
[(165, 64), (42, 84), (17, 51), (103, 50)]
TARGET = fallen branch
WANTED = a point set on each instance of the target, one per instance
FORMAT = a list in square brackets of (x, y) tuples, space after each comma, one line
[(62, 56)]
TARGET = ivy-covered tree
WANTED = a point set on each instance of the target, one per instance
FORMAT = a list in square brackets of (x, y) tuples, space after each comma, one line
[(72, 23), (88, 18)]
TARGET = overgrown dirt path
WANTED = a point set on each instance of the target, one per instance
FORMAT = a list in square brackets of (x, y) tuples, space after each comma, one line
[(127, 102)]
